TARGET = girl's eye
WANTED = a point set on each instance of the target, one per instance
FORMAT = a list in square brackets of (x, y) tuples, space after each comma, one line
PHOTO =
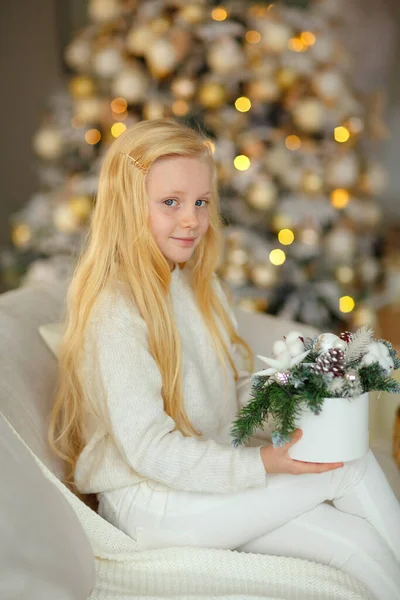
[(205, 202), (169, 201)]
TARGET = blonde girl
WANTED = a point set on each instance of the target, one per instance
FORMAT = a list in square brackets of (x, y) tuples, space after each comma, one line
[(152, 372)]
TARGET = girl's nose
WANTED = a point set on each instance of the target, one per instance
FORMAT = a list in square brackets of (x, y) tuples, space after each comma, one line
[(189, 218)]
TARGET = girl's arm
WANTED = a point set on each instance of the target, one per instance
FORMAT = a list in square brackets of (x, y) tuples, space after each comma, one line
[(145, 435)]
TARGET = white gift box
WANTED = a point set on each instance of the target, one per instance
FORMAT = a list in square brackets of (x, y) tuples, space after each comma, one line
[(338, 434)]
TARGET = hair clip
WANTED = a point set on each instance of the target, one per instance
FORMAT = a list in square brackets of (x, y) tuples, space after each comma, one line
[(136, 162)]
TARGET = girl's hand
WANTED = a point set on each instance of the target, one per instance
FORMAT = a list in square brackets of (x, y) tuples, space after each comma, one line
[(277, 460)]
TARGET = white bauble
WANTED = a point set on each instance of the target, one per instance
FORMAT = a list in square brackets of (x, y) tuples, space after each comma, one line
[(278, 160), (88, 110), (65, 219), (101, 11), (161, 57), (343, 171), (132, 84), (274, 36), (340, 245), (264, 275), (293, 177), (107, 62), (327, 341), (48, 143), (78, 54), (369, 269), (309, 114), (225, 56), (139, 39), (328, 84), (262, 193)]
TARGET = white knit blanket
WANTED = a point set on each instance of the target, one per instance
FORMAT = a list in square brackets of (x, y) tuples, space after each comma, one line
[(123, 572)]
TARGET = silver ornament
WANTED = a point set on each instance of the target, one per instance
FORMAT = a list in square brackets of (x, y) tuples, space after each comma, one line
[(282, 377), (351, 375)]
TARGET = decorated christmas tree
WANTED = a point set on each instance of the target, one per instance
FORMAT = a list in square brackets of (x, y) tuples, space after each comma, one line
[(271, 89)]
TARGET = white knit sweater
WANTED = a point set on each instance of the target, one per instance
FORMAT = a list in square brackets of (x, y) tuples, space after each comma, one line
[(129, 436)]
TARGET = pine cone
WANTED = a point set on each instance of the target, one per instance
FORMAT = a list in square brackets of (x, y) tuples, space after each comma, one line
[(331, 362)]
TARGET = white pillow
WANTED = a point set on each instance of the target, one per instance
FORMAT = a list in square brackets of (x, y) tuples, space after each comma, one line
[(52, 334)]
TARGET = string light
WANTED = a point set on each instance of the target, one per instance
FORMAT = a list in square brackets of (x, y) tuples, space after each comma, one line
[(277, 257), (117, 129), (286, 237), (243, 104), (341, 134), (346, 304), (292, 142), (219, 13), (297, 45), (241, 162), (307, 37), (340, 198), (92, 136), (253, 37), (119, 105)]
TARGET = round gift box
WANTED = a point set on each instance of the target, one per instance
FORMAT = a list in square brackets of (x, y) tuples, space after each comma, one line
[(338, 433)]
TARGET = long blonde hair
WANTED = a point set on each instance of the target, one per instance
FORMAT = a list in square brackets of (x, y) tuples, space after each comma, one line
[(120, 246)]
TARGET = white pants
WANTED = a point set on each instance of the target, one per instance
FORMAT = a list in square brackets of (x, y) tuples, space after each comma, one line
[(359, 534)]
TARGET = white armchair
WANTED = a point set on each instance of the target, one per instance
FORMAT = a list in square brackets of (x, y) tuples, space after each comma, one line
[(74, 554)]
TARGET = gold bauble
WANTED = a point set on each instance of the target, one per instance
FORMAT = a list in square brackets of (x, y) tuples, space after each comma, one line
[(89, 110), (345, 274), (139, 38), (154, 110), (101, 11), (253, 305), (282, 221), (192, 13), (212, 94), (236, 275), (263, 90), (286, 77), (21, 235), (313, 183), (262, 193), (81, 206), (264, 275), (183, 87), (160, 25), (81, 86)]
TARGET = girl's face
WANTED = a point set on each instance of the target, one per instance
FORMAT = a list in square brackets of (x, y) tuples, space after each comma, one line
[(179, 190)]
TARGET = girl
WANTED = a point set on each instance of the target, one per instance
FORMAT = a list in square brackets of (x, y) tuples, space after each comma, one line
[(152, 376)]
